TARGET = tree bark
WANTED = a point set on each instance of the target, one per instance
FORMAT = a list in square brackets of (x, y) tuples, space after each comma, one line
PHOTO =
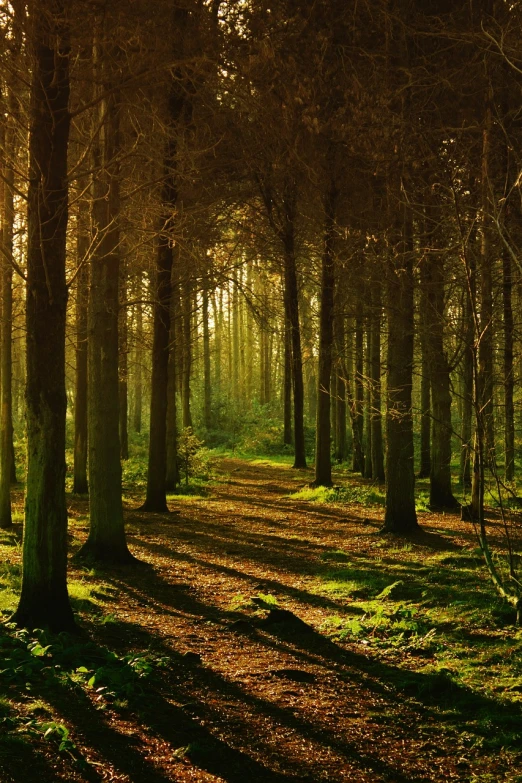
[(106, 541), (123, 364), (375, 381), (400, 515), (432, 277), (287, 384), (207, 369), (80, 483), (323, 461), (358, 401), (44, 600), (6, 331)]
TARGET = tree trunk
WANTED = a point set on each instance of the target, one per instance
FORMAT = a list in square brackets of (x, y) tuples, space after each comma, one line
[(187, 350), (358, 402), (106, 541), (509, 380), (368, 465), (432, 277), (123, 364), (291, 301), (44, 601), (400, 515), (80, 484), (340, 382), (323, 462), (6, 331), (207, 379), (287, 384), (425, 391), (467, 380), (138, 364), (375, 381), (156, 497)]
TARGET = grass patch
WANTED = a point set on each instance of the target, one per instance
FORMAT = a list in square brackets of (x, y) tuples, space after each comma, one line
[(367, 496), (430, 605)]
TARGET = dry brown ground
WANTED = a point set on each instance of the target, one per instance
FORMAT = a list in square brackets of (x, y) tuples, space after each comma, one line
[(243, 697)]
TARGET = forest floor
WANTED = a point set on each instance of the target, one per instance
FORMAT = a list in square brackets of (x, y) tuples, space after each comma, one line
[(270, 639)]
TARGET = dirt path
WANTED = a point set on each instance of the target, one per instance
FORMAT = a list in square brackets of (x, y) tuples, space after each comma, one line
[(253, 689)]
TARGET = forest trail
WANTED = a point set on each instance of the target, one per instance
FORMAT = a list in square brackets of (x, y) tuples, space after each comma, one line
[(251, 685)]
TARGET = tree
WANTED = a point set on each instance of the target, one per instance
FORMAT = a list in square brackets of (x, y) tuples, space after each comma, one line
[(106, 540), (44, 600)]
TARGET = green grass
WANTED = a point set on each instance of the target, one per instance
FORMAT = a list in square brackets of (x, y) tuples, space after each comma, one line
[(438, 603), (364, 495)]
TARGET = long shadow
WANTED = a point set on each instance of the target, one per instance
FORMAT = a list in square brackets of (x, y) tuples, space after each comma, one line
[(207, 692), (253, 581), (412, 589), (430, 690), (122, 751), (262, 547)]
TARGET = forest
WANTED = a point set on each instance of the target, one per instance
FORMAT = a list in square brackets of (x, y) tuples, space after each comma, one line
[(261, 390)]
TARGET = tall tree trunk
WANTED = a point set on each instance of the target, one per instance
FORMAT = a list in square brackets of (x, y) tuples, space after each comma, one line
[(80, 483), (207, 375), (432, 276), (375, 381), (123, 364), (187, 350), (358, 402), (485, 431), (509, 379), (106, 541), (138, 363), (172, 473), (400, 515), (323, 462), (6, 331), (425, 391), (156, 497), (291, 301), (44, 601), (287, 384), (467, 380), (340, 380), (368, 466)]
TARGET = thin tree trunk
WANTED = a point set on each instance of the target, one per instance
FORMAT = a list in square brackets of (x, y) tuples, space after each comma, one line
[(138, 364), (509, 380), (80, 483), (368, 466), (323, 462), (467, 382), (187, 351), (375, 381), (6, 332), (287, 384), (340, 381), (123, 364), (207, 376), (358, 402), (425, 391)]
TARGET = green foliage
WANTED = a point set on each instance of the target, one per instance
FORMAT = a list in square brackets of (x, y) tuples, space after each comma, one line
[(257, 430), (365, 495), (194, 460)]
